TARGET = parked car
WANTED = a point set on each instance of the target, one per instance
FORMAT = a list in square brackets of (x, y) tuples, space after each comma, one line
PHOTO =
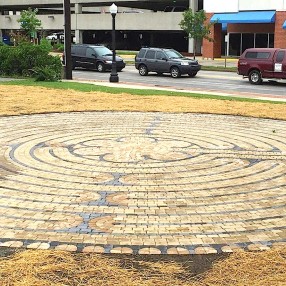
[(55, 36), (165, 61), (96, 57), (60, 36), (262, 63)]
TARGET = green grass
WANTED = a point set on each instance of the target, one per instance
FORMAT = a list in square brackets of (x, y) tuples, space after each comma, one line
[(86, 87), (131, 53), (219, 68)]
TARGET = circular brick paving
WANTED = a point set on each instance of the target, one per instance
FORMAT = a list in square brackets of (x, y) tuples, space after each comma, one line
[(148, 183)]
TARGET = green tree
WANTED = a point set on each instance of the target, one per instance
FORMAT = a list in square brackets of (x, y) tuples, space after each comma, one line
[(29, 22), (194, 24)]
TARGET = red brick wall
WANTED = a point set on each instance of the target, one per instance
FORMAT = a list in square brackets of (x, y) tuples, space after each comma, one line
[(251, 28), (280, 33), (212, 49)]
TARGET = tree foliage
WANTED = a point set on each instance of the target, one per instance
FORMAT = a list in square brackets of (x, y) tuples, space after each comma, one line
[(194, 24), (29, 22)]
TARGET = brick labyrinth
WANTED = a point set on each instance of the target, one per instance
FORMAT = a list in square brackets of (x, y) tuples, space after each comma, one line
[(119, 182)]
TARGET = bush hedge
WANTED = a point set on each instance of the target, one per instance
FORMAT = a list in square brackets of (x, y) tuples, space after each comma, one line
[(30, 60), (58, 47)]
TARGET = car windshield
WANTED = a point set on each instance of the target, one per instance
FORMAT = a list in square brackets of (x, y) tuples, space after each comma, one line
[(103, 51), (172, 54)]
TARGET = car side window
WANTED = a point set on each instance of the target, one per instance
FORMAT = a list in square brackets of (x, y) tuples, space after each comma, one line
[(251, 55), (90, 53), (280, 56), (80, 51), (263, 55), (257, 55), (150, 54), (141, 53), (160, 55)]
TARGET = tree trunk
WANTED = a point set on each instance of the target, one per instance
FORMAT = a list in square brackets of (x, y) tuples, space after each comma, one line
[(195, 48)]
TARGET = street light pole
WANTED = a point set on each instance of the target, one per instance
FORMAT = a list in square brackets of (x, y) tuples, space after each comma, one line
[(113, 76), (67, 39)]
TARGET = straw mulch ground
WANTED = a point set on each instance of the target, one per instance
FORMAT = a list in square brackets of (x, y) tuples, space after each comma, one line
[(58, 268), (27, 100)]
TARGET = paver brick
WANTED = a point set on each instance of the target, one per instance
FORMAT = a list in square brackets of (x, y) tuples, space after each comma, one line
[(142, 182)]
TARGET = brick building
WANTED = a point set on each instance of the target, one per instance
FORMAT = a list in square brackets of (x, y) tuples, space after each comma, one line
[(242, 24)]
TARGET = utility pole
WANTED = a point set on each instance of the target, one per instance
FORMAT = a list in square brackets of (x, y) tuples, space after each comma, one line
[(67, 29)]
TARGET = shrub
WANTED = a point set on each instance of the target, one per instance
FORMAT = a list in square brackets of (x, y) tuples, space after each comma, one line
[(46, 45), (28, 60), (51, 72), (9, 61), (45, 74), (59, 47)]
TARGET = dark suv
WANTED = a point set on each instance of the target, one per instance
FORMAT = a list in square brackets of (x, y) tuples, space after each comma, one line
[(96, 57), (165, 61)]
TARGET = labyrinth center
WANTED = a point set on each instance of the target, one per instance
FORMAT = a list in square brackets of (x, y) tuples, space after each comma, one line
[(142, 182)]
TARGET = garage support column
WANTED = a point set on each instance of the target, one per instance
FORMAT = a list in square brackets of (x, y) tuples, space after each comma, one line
[(78, 36), (78, 33), (1, 35), (193, 4)]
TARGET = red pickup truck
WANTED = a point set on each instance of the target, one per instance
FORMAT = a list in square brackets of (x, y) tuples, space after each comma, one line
[(259, 63)]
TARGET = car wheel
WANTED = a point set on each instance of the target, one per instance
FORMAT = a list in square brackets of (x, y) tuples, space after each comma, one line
[(255, 77), (143, 70), (192, 74), (175, 72), (119, 70), (100, 67)]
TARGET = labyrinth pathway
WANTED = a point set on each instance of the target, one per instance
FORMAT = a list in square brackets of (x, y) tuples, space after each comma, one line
[(123, 182)]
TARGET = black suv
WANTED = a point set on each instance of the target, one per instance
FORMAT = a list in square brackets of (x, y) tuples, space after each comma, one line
[(96, 57), (165, 61)]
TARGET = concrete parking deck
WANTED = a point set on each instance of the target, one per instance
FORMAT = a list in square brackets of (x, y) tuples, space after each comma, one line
[(147, 183)]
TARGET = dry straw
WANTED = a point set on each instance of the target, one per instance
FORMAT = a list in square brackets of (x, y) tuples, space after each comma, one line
[(59, 268), (29, 100)]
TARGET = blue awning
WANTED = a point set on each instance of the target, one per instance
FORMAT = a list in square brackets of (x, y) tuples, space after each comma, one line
[(284, 25), (245, 17)]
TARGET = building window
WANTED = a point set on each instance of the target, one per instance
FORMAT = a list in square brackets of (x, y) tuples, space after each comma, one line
[(247, 41), (260, 40), (239, 42), (271, 41), (234, 44)]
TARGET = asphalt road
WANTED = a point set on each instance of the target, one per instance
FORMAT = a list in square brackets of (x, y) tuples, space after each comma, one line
[(205, 80)]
